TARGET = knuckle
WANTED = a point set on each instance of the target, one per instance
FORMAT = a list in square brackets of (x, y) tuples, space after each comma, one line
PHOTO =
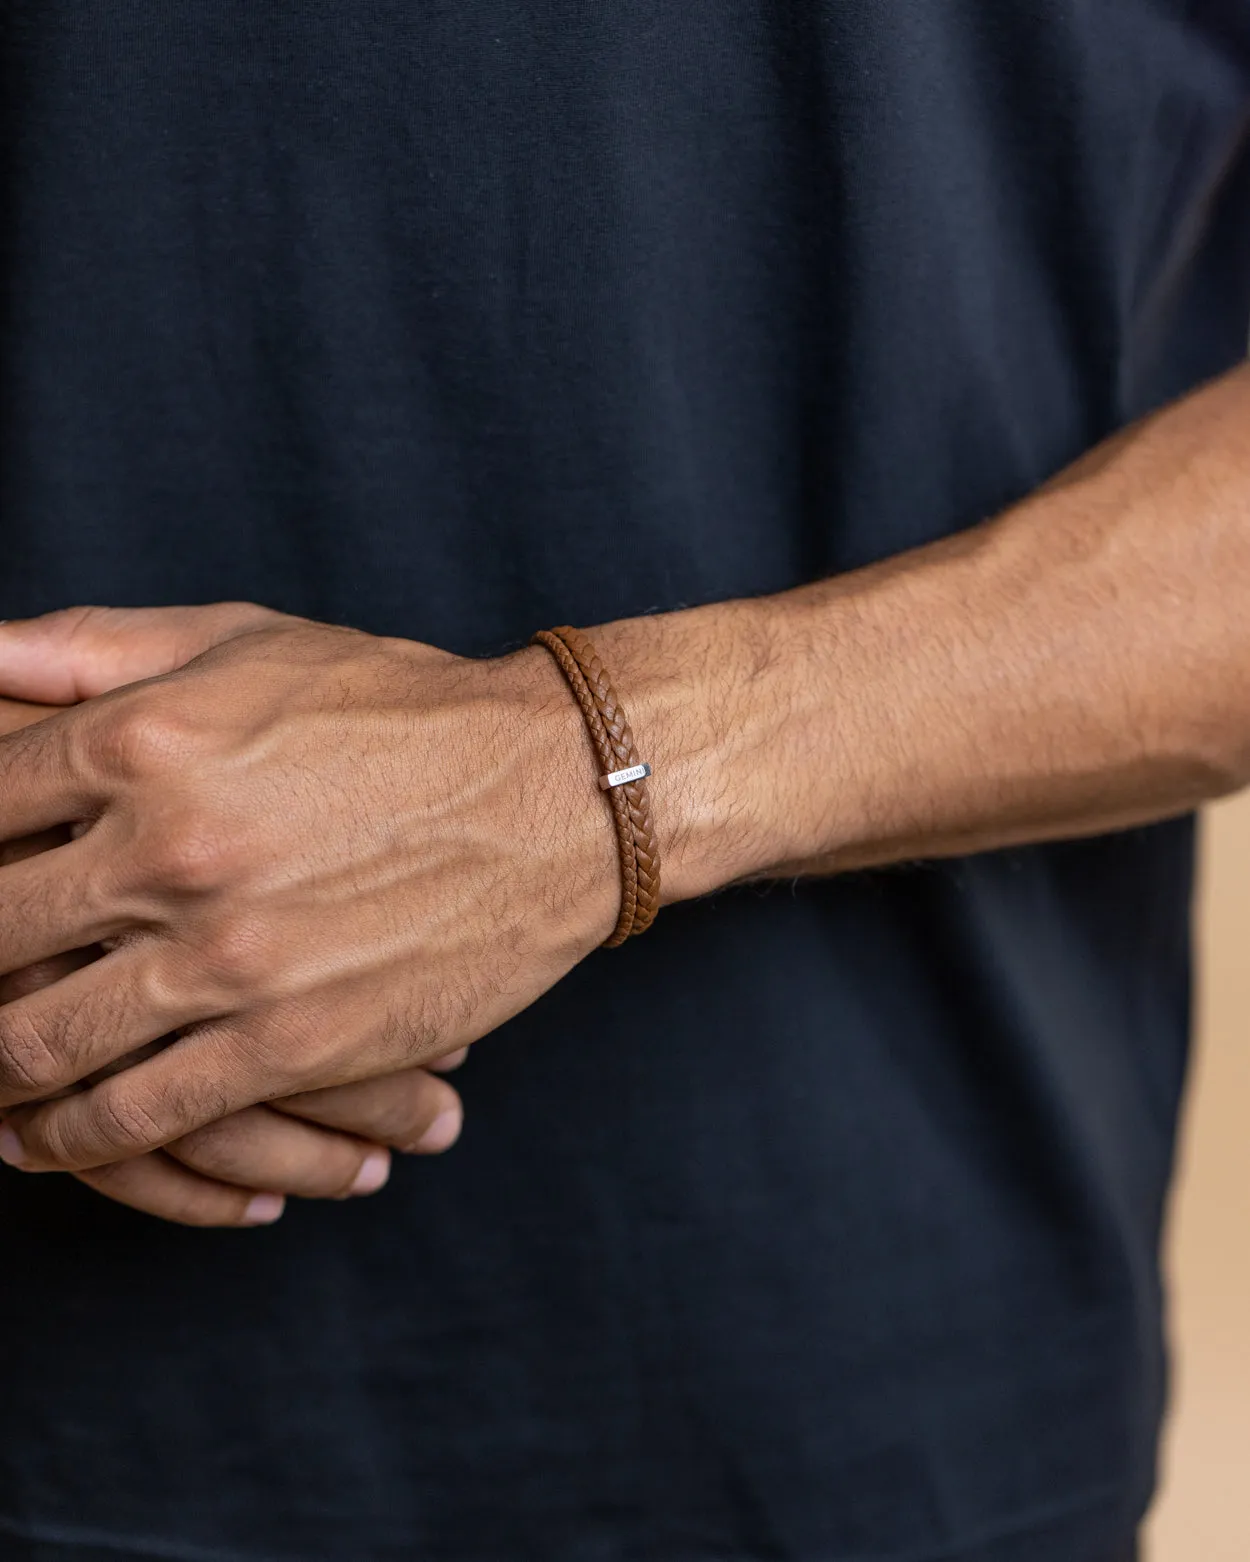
[(285, 1048), (145, 736), (48, 1143), (238, 954), (190, 858), (29, 1067), (192, 1100), (224, 1147), (125, 1122), (215, 1144)]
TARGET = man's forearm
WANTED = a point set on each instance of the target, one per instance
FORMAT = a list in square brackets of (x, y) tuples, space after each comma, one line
[(1078, 664), (350, 855)]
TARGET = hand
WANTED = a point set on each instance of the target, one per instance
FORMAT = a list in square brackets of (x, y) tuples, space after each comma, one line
[(320, 856), (327, 1144), (236, 1172), (239, 1171)]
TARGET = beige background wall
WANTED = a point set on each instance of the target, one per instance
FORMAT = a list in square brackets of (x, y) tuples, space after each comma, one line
[(1203, 1514)]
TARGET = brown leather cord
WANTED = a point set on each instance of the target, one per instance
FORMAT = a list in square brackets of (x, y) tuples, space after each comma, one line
[(614, 748)]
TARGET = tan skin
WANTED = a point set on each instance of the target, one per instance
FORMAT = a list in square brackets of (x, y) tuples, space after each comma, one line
[(333, 1143), (326, 857)]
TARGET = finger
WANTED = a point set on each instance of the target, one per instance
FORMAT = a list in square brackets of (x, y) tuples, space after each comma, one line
[(450, 1063), (32, 845), (103, 1012), (34, 978), (60, 899), (257, 1148), (44, 777), (204, 1075), (410, 1111), (211, 1070), (79, 652), (16, 984), (160, 1186)]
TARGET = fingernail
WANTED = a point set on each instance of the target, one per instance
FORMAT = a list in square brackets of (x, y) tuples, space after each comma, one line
[(374, 1171), (264, 1209), (442, 1132), (11, 1151)]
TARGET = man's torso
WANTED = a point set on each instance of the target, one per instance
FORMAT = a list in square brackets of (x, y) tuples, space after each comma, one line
[(397, 315)]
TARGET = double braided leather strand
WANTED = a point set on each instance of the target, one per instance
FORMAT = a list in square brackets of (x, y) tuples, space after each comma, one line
[(614, 748)]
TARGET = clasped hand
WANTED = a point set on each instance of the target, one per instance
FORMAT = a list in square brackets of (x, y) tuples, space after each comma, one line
[(314, 857)]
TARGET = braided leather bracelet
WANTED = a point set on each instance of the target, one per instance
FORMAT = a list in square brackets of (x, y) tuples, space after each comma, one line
[(622, 777)]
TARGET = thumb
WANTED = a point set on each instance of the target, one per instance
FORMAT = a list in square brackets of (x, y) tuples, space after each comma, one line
[(79, 652)]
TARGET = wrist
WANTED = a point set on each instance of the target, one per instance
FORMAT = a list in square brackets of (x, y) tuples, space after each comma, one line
[(578, 881), (725, 704), (707, 692)]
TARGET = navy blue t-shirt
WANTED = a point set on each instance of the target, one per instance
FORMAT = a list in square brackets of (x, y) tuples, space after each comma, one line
[(394, 313)]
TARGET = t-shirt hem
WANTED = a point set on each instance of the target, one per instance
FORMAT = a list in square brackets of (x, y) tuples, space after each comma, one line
[(87, 1545)]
